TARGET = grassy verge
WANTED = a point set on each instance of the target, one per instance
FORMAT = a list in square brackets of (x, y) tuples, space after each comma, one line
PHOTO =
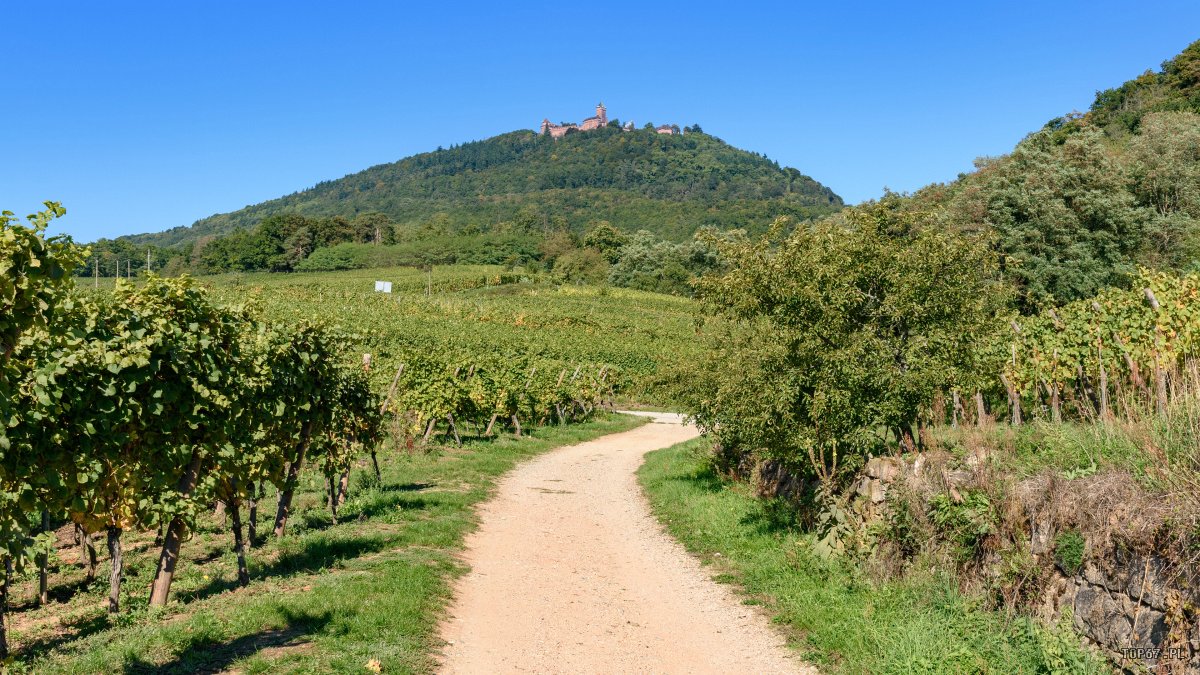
[(325, 599), (841, 619)]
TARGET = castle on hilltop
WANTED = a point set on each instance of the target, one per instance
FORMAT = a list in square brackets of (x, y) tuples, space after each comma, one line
[(597, 121)]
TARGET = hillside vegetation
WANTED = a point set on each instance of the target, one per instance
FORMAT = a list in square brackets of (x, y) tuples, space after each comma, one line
[(670, 185)]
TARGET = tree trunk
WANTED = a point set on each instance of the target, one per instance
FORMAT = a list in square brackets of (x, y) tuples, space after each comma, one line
[(42, 562), (173, 539), (87, 552), (491, 423), (219, 512), (293, 477), (1055, 403), (428, 430), (1014, 401), (955, 406), (517, 425), (4, 608), (375, 465), (252, 525), (980, 409), (239, 546), (343, 488), (454, 428), (331, 496), (116, 569)]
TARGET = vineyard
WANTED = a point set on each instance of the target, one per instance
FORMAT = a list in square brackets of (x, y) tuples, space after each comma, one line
[(140, 406), (1096, 358)]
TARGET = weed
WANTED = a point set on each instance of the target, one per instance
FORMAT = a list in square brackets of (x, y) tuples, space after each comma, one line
[(964, 521), (1069, 548)]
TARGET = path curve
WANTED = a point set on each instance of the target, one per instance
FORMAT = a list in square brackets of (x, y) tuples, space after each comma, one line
[(571, 573)]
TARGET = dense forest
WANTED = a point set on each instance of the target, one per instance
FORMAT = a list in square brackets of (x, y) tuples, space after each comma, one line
[(669, 184)]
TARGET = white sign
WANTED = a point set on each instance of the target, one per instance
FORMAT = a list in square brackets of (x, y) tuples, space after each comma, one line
[(383, 286)]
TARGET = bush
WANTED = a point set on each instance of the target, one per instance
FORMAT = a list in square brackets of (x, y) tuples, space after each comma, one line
[(836, 330), (1069, 548), (964, 521)]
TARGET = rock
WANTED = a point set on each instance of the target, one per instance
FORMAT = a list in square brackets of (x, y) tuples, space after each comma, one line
[(871, 489), (976, 457), (1150, 629), (1099, 617), (1146, 581), (1094, 575), (958, 477), (886, 469)]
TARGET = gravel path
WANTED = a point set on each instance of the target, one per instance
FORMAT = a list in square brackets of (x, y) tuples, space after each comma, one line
[(570, 573)]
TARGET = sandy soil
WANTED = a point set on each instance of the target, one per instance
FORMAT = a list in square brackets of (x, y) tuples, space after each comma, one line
[(570, 573)]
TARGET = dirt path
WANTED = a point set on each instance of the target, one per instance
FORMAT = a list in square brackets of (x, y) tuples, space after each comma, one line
[(570, 573)]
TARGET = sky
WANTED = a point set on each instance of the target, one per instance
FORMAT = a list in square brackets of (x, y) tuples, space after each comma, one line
[(139, 117)]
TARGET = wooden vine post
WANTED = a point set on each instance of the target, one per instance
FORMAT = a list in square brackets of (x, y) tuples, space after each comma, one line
[(1160, 377)]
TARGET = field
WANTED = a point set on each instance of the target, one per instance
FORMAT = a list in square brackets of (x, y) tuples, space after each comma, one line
[(484, 311)]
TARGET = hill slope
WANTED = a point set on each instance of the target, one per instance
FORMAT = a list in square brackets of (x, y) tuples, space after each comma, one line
[(635, 179)]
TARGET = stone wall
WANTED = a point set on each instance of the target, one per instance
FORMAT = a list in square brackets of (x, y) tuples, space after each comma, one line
[(1138, 608)]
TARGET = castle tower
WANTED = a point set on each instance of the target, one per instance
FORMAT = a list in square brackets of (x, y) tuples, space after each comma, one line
[(602, 114), (546, 125)]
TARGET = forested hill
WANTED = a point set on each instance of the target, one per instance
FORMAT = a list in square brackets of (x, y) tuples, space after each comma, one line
[(1081, 204), (636, 180)]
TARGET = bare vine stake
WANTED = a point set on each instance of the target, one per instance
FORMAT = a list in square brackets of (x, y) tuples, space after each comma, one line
[(391, 389), (1160, 379), (43, 571), (1013, 401), (1103, 380), (450, 419)]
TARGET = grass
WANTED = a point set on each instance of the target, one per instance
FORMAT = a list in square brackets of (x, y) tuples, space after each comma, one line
[(324, 599), (841, 619)]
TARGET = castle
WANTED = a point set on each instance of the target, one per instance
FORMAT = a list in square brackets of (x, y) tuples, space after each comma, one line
[(598, 121)]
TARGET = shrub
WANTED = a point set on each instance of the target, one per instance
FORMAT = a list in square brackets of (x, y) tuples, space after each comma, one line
[(964, 521), (1069, 551)]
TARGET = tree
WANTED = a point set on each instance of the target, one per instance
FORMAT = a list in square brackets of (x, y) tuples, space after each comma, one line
[(607, 239), (1064, 224), (839, 329), (1163, 170), (303, 366), (581, 266)]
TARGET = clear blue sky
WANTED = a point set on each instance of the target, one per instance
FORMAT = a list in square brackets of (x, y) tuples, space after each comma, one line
[(144, 116)]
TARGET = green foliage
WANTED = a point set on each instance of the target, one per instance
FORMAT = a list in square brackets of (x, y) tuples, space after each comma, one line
[(1175, 87), (964, 520), (1118, 333), (581, 266), (34, 285), (651, 264), (1064, 224), (837, 330), (634, 180), (34, 273), (606, 239), (1069, 550)]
